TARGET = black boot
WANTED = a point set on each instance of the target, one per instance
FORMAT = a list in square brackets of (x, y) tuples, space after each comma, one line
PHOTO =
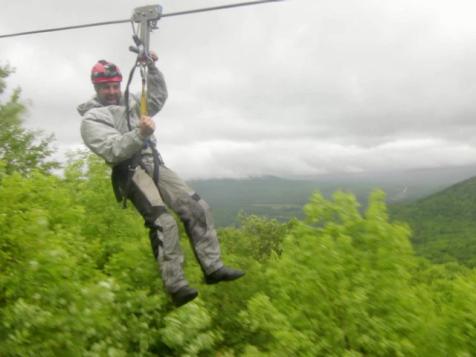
[(223, 274), (184, 295)]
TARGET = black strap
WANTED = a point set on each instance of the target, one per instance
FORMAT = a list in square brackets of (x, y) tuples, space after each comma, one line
[(157, 160), (126, 94), (131, 168), (131, 164)]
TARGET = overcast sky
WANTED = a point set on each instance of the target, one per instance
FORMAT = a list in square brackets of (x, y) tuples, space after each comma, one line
[(294, 88)]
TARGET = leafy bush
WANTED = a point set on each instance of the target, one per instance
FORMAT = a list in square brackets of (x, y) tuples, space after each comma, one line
[(77, 278)]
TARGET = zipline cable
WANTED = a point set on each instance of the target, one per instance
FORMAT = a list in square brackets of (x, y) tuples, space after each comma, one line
[(179, 13), (221, 7)]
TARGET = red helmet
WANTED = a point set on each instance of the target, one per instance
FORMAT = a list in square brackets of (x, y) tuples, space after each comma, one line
[(104, 72)]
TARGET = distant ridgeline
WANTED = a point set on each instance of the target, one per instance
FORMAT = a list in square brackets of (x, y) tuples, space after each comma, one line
[(443, 224)]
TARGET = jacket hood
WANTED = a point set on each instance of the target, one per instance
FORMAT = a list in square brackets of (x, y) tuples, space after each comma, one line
[(92, 103), (95, 103)]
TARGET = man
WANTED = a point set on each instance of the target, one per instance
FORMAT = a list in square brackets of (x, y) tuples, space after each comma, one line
[(126, 142)]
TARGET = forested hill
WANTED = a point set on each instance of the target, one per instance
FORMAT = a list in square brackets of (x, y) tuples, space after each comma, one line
[(283, 199), (444, 223)]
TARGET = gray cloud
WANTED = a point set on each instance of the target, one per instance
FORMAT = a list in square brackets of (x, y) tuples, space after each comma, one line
[(299, 88)]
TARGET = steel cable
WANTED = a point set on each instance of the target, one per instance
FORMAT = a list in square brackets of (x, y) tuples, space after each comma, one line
[(179, 13)]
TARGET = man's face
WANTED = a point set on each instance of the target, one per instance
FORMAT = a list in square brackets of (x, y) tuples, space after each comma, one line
[(109, 93)]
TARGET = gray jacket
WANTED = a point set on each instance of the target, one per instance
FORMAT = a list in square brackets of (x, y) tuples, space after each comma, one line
[(104, 128)]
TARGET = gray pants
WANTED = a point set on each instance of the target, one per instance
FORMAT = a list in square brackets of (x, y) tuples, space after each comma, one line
[(152, 201)]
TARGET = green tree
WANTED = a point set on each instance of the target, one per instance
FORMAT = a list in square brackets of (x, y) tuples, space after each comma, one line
[(77, 278), (21, 150)]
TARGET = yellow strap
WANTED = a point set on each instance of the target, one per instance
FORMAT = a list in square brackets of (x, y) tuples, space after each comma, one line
[(144, 110)]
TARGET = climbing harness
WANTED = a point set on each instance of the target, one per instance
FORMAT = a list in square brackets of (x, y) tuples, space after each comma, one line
[(143, 21)]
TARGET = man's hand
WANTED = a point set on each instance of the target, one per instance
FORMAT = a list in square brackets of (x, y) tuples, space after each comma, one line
[(146, 126), (153, 56)]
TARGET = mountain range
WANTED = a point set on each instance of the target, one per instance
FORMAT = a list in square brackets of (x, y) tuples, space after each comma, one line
[(283, 198), (438, 204)]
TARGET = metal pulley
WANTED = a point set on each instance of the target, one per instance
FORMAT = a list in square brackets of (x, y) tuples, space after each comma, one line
[(146, 18)]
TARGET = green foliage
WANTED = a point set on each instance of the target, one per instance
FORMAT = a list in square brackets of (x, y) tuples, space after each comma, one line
[(343, 281), (77, 278), (267, 234), (21, 150), (444, 224), (188, 331)]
